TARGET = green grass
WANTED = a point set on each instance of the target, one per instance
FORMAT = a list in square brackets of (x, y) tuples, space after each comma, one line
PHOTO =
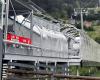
[(95, 33), (97, 74), (84, 71)]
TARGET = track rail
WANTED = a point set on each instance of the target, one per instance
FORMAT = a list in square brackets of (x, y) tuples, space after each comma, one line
[(50, 74)]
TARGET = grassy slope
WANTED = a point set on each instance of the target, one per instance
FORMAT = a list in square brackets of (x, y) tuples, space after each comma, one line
[(97, 74), (95, 33)]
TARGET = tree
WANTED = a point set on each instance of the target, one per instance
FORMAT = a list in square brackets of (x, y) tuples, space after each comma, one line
[(97, 39)]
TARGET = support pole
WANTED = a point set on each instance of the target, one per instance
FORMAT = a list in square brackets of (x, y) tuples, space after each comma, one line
[(6, 19), (46, 69), (38, 68), (35, 66), (53, 69), (1, 52), (65, 68), (78, 71), (82, 27), (1, 43), (14, 25), (31, 25), (68, 68), (99, 4)]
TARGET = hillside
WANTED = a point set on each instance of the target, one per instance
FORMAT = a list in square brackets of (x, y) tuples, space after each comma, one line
[(95, 34), (64, 9)]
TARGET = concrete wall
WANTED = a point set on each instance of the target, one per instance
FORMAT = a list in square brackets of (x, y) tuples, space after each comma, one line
[(90, 50)]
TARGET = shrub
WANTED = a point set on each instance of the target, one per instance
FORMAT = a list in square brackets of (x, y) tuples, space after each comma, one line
[(97, 39)]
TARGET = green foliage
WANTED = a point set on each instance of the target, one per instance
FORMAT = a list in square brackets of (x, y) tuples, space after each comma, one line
[(73, 70), (47, 18), (87, 71), (95, 34), (0, 9), (38, 15), (78, 25), (62, 29), (92, 17), (83, 71), (89, 28), (97, 39), (64, 8)]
